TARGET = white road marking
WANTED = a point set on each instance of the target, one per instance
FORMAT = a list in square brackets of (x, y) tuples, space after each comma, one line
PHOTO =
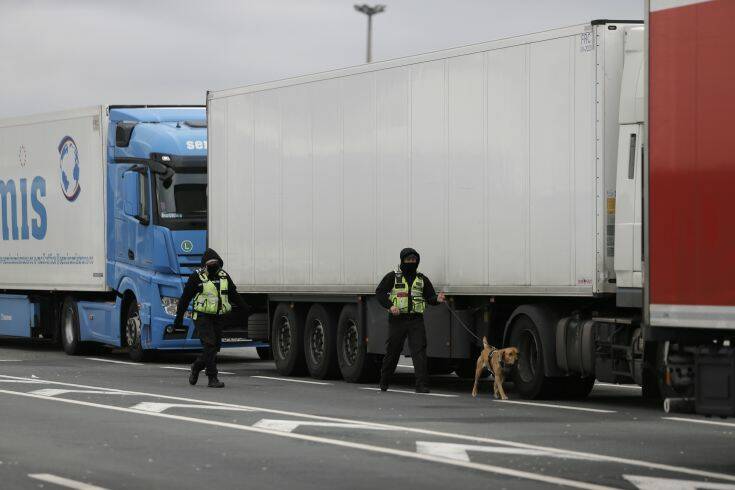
[(189, 369), (613, 385), (697, 421), (405, 366), (9, 360), (527, 475), (291, 425), (459, 451), (114, 361), (63, 391), (21, 381), (653, 483), (552, 405), (64, 482), (414, 430), (293, 380), (161, 407), (391, 390)]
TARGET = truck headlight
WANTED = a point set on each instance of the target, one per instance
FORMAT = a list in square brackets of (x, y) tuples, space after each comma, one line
[(170, 305)]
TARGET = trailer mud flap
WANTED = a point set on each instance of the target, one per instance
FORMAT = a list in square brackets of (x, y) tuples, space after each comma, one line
[(715, 382)]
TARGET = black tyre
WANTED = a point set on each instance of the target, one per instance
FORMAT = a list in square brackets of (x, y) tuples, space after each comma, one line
[(265, 353), (133, 329), (320, 342), (288, 340), (70, 337), (529, 376), (574, 387), (355, 364)]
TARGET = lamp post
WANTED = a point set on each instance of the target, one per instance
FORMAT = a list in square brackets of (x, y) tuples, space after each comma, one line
[(370, 11)]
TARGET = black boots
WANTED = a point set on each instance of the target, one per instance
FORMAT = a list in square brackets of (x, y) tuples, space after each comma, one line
[(213, 381), (194, 376)]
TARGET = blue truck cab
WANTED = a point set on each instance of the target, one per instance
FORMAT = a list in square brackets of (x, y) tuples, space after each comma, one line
[(157, 218)]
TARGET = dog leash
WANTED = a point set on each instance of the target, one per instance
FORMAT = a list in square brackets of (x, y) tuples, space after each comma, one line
[(456, 315)]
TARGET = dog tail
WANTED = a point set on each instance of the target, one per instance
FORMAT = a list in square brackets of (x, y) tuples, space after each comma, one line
[(484, 343)]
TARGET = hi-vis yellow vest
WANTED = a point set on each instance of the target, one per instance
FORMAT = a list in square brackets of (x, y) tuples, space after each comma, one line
[(399, 294), (211, 300)]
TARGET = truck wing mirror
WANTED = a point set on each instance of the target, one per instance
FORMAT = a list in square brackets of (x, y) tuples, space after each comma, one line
[(131, 193)]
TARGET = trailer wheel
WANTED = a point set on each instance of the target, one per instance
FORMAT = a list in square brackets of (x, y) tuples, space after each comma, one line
[(355, 364), (265, 353), (320, 342), (288, 343), (133, 333), (529, 377), (70, 337)]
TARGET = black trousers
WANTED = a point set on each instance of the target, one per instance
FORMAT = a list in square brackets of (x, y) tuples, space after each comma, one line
[(400, 328), (210, 333)]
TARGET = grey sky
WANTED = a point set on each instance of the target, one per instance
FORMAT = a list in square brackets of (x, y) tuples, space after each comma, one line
[(57, 54)]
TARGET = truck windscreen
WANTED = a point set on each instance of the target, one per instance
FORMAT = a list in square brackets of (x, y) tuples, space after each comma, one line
[(182, 200)]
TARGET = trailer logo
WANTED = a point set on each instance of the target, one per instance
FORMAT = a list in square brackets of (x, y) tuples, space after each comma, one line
[(187, 246), (69, 167)]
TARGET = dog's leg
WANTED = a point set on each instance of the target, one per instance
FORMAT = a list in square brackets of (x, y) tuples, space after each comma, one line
[(498, 375), (499, 383), (478, 373)]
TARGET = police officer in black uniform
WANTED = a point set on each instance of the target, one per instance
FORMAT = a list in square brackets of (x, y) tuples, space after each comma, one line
[(405, 293), (214, 293)]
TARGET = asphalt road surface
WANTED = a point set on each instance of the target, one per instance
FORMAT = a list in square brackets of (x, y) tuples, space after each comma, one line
[(102, 422)]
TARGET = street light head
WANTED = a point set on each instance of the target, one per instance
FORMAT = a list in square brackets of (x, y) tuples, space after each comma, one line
[(370, 10)]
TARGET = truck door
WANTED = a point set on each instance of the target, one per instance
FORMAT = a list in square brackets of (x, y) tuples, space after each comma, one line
[(136, 230), (628, 207)]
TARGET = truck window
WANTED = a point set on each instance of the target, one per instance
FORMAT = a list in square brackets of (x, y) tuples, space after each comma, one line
[(182, 199)]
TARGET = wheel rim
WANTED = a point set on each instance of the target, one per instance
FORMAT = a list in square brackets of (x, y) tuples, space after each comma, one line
[(284, 337), (132, 328), (528, 361), (69, 325), (350, 344), (316, 342)]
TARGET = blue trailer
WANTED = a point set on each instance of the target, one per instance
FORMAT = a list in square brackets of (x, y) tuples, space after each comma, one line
[(104, 215)]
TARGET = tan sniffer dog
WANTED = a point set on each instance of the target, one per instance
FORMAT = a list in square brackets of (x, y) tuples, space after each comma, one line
[(494, 359)]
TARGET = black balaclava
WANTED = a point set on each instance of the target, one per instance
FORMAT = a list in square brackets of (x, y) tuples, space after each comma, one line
[(409, 270), (212, 270)]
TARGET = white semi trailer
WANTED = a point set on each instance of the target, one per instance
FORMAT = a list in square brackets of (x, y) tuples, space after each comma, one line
[(513, 166)]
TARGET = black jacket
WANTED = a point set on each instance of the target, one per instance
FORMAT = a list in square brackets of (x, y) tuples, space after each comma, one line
[(194, 286), (382, 293)]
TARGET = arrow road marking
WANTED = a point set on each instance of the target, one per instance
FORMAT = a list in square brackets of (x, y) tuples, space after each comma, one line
[(459, 451), (653, 483), (291, 425), (162, 407)]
